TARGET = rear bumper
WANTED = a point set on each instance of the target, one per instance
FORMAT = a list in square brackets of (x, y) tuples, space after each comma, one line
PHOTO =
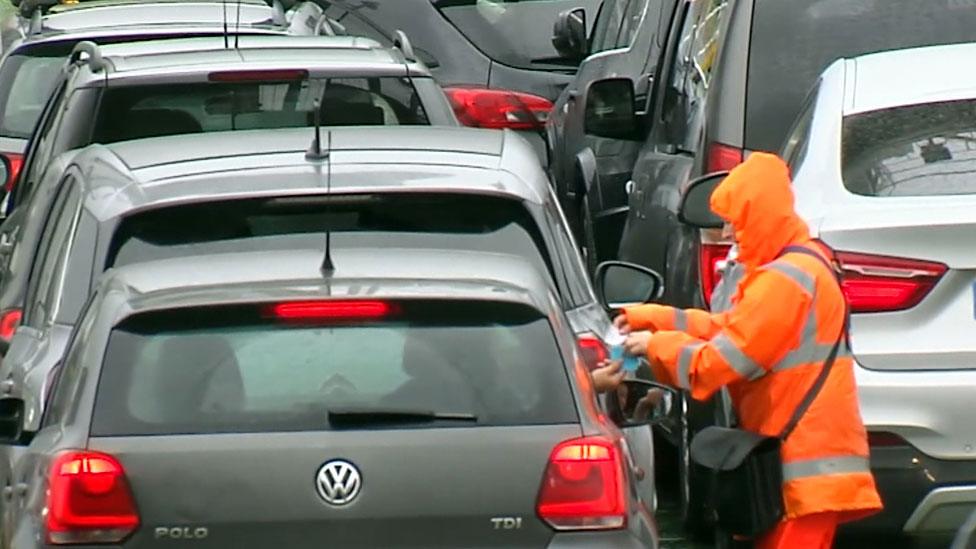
[(623, 539)]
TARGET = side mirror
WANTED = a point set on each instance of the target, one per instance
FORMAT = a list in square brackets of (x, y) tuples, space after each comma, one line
[(695, 204), (5, 171), (609, 109), (11, 421), (569, 34), (620, 284), (640, 402)]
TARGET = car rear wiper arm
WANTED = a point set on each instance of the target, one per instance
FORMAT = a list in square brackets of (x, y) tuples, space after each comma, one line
[(372, 416)]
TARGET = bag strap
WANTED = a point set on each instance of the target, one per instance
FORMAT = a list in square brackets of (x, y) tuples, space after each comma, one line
[(831, 358)]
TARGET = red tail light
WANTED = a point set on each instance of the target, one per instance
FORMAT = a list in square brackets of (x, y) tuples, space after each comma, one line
[(584, 486), (89, 500), (9, 320), (710, 264), (592, 350), (498, 109), (722, 157), (876, 284), (15, 162), (274, 75), (885, 439), (332, 310)]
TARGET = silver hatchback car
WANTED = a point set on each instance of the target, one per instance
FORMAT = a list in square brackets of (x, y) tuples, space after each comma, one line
[(885, 172)]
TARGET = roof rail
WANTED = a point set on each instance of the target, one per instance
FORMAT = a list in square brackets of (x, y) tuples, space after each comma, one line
[(402, 43), (36, 22), (94, 59)]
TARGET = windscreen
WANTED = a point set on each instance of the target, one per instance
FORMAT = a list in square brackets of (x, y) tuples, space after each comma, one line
[(366, 221), (793, 41), (135, 112), (917, 150), (517, 33), (421, 364), (26, 81)]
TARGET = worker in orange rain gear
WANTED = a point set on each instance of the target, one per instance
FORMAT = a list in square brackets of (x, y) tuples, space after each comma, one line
[(768, 348)]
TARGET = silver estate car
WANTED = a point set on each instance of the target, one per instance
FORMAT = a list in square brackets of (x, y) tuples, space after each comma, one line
[(885, 173)]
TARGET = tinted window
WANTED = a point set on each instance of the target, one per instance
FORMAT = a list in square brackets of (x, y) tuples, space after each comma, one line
[(389, 220), (146, 111), (921, 150), (607, 26), (52, 252), (631, 22), (213, 370), (513, 32), (795, 148), (794, 40), (26, 81)]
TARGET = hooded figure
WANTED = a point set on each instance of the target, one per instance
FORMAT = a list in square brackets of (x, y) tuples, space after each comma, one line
[(767, 348)]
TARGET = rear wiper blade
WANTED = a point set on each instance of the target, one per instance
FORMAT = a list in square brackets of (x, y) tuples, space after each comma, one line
[(370, 416)]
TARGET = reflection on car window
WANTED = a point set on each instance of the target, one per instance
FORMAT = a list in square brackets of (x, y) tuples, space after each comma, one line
[(192, 108), (231, 370), (919, 150), (631, 22), (25, 84), (795, 148)]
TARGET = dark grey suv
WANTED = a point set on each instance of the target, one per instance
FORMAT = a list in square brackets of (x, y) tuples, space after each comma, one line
[(252, 400)]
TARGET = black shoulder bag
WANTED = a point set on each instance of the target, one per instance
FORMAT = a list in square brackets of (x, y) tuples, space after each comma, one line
[(747, 468)]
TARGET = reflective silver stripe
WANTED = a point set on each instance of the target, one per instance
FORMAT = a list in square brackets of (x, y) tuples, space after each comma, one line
[(825, 466), (684, 364), (680, 320), (798, 275), (738, 360)]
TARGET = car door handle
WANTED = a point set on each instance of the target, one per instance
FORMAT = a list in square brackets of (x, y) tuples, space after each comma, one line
[(6, 386), (574, 94), (6, 242), (629, 187), (21, 489), (8, 493)]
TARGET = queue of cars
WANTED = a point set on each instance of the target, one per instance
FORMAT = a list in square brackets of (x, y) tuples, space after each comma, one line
[(881, 175), (260, 287)]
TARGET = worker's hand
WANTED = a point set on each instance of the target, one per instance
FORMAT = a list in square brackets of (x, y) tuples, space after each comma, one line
[(608, 375), (636, 343), (620, 323)]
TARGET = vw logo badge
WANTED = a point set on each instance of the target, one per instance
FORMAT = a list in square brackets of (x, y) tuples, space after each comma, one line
[(338, 482)]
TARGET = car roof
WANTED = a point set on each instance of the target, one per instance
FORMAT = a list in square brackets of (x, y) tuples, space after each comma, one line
[(242, 277), (879, 79), (150, 173)]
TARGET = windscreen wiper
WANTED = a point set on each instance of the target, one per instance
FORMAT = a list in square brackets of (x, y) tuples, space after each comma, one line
[(381, 416)]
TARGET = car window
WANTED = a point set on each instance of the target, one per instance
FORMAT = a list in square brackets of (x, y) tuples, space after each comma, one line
[(916, 150), (514, 32), (794, 40), (62, 391), (51, 248), (39, 147), (630, 22), (192, 108), (607, 25), (387, 220), (795, 147), (26, 81), (242, 369)]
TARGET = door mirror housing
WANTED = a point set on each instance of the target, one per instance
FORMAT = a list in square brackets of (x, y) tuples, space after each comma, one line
[(637, 402), (5, 171), (620, 284), (569, 34), (11, 421), (609, 111), (696, 209)]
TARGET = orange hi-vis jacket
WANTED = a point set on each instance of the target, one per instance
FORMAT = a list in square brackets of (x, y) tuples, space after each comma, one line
[(769, 347)]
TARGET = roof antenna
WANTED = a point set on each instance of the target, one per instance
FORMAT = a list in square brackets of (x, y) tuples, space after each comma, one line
[(223, 5), (237, 26), (316, 154)]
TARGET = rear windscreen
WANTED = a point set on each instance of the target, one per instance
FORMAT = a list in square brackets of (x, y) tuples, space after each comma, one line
[(136, 112), (517, 33), (26, 81), (793, 41), (429, 364), (379, 221), (918, 150)]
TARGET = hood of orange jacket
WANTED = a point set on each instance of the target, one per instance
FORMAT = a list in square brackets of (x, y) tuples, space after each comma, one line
[(757, 199)]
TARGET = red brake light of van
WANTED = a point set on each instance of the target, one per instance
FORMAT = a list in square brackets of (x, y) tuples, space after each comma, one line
[(710, 263), (332, 310), (88, 500), (15, 163), (722, 157), (875, 284), (273, 75), (592, 350), (498, 109), (584, 487), (9, 320)]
